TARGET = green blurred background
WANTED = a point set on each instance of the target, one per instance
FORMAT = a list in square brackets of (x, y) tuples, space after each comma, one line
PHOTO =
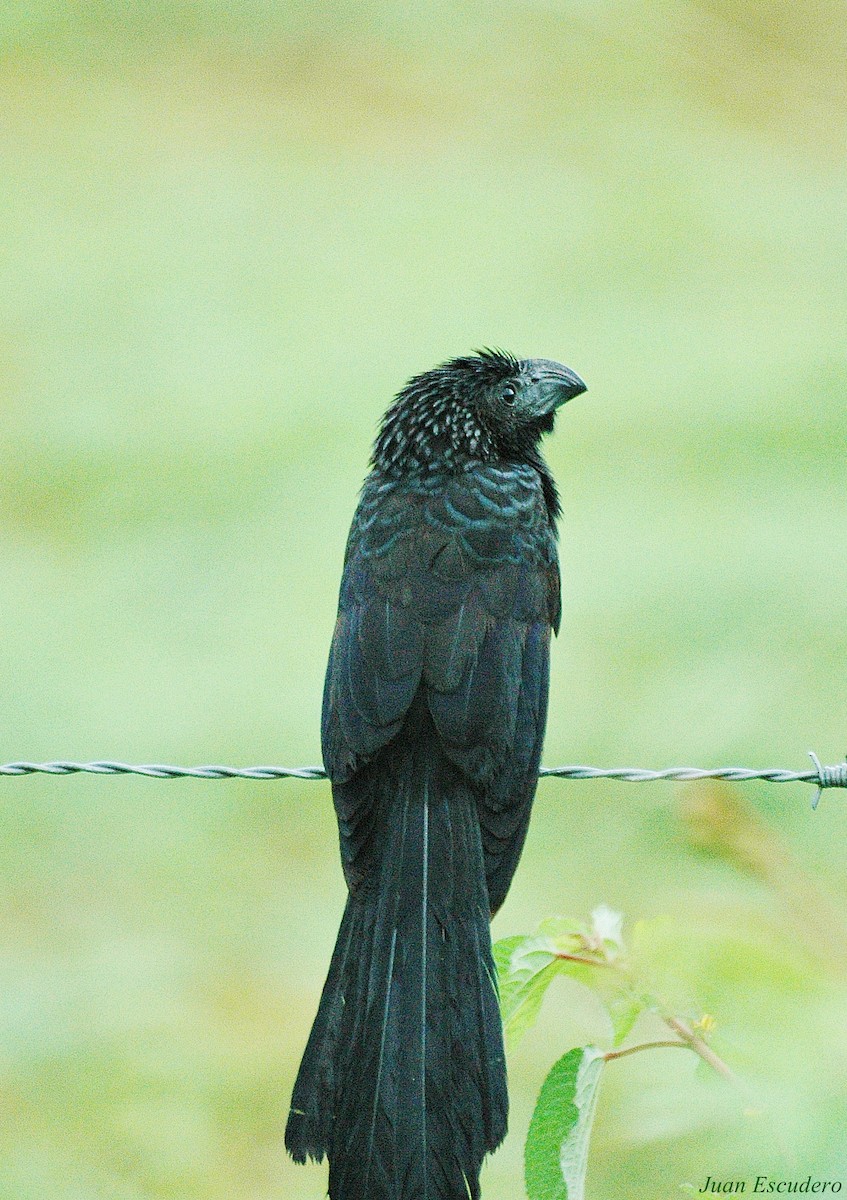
[(228, 233)]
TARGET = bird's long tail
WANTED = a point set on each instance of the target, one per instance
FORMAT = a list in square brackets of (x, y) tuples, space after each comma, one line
[(403, 1082)]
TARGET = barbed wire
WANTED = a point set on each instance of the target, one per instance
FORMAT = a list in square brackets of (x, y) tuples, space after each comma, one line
[(822, 776)]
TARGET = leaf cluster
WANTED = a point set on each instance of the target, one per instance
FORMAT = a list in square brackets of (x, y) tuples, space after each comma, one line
[(595, 955)]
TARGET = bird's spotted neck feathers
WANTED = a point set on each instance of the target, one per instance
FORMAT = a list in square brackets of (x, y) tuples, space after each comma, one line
[(441, 420), (435, 421)]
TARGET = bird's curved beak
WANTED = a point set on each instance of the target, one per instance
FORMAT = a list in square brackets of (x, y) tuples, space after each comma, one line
[(554, 384)]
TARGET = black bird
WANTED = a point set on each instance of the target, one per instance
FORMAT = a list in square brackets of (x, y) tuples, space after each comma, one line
[(434, 710)]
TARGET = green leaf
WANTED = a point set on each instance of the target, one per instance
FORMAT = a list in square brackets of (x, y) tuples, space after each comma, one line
[(525, 971), (565, 932), (527, 965), (624, 1006), (503, 954), (556, 1155)]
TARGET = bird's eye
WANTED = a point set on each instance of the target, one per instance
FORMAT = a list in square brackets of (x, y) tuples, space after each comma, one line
[(509, 394)]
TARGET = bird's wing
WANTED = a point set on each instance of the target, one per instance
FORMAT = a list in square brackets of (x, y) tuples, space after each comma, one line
[(505, 803), (376, 656), (487, 665), (453, 587)]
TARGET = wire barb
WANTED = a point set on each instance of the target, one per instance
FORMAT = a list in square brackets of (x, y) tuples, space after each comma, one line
[(822, 776), (828, 777)]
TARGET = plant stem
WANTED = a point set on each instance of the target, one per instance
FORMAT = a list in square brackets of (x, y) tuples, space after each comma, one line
[(697, 1044), (610, 1054), (579, 958), (689, 1039)]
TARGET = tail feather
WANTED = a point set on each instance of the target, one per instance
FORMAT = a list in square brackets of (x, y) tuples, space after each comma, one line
[(403, 1082), (308, 1131)]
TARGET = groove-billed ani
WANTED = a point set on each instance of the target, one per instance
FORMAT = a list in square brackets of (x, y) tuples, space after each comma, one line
[(433, 717)]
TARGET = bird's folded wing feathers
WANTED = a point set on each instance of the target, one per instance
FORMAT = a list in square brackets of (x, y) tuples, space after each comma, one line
[(453, 588)]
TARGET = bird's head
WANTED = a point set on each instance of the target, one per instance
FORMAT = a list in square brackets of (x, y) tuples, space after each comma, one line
[(484, 407)]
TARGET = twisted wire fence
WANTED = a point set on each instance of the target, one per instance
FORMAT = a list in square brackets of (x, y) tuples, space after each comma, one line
[(821, 776)]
